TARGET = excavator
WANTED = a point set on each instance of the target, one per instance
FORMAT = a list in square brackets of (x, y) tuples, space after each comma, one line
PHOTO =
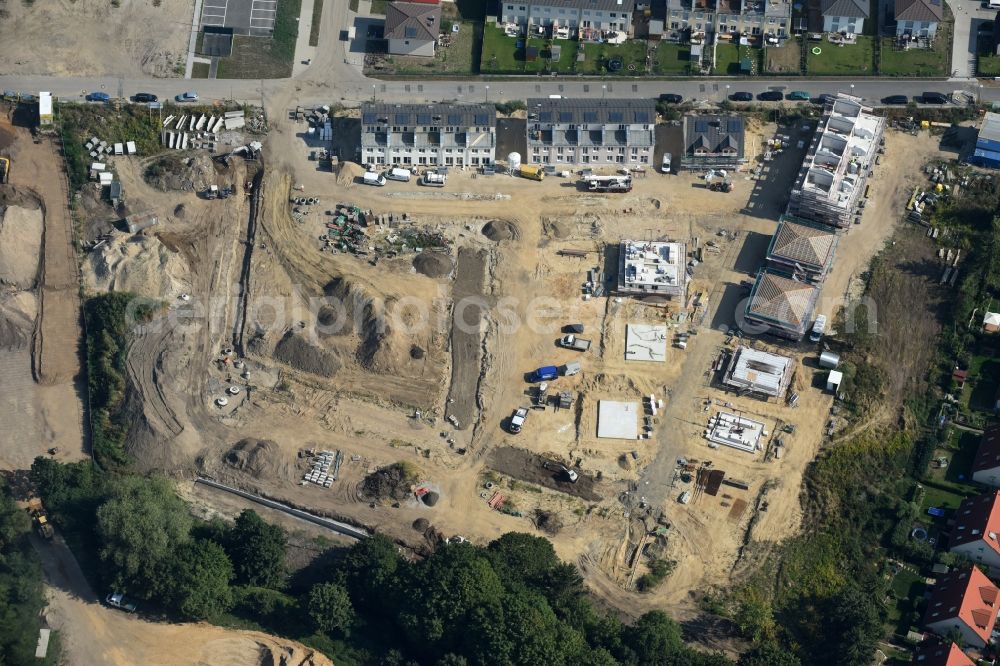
[(4, 169)]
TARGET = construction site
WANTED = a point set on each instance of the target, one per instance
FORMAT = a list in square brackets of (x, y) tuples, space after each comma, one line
[(318, 330)]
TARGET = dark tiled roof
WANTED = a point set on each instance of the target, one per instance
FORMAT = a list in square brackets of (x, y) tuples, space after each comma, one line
[(592, 111), (605, 5), (412, 20), (713, 133), (919, 10), (988, 455), (432, 115), (849, 8)]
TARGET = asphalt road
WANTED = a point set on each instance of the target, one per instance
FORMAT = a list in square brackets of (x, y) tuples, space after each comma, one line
[(355, 89)]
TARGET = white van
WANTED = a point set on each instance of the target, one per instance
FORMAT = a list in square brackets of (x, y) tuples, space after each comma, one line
[(819, 327), (372, 178), (398, 174)]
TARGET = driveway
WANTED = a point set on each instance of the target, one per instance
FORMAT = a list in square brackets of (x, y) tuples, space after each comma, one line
[(969, 15)]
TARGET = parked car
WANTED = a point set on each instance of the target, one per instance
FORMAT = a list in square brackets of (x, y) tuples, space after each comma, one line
[(671, 98), (895, 99), (685, 497), (517, 420), (118, 600), (667, 161), (770, 96), (799, 96), (187, 97), (741, 97), (98, 97), (934, 98), (144, 98)]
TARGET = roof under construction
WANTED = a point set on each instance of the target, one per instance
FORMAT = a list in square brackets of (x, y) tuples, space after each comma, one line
[(759, 372), (782, 303), (800, 245)]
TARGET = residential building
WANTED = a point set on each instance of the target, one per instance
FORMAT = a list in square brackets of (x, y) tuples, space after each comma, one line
[(591, 131), (803, 248), (649, 268), (963, 602), (728, 20), (918, 18), (460, 135), (844, 15), (987, 151), (412, 28), (713, 142), (986, 465), (754, 371), (835, 171), (584, 19), (991, 322), (975, 533), (780, 305), (934, 652)]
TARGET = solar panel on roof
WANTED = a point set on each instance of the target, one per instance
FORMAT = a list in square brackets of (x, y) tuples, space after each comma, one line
[(482, 119), (455, 118), (423, 119), (641, 117), (701, 126), (565, 116), (545, 116), (590, 116), (369, 119), (616, 116), (402, 118), (735, 125)]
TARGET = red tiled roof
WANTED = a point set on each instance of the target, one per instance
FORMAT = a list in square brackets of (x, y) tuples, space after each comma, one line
[(988, 455), (935, 653), (968, 596), (978, 518), (960, 375)]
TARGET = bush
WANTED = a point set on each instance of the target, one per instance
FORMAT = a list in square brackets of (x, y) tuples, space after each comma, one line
[(507, 108)]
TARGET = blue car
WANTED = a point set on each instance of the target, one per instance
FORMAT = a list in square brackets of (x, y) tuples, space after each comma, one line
[(98, 97)]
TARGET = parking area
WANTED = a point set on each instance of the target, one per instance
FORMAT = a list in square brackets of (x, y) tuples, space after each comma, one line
[(245, 17)]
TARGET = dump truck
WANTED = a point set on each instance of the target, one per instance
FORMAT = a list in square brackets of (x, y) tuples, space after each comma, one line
[(574, 342), (39, 519), (531, 172)]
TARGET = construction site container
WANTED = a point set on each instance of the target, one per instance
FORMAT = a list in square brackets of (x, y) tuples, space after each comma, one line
[(829, 360), (532, 172)]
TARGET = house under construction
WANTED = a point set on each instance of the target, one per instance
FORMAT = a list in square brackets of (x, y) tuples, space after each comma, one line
[(650, 268), (759, 372), (802, 248), (781, 305), (835, 171)]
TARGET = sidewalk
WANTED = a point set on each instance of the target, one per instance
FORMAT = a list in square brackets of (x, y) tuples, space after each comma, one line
[(304, 52)]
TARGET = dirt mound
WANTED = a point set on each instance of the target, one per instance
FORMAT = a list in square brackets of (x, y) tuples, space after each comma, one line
[(390, 482), (180, 212), (417, 352), (172, 172), (20, 246), (17, 319), (381, 349), (421, 525), (261, 458), (557, 228), (296, 351), (349, 172), (433, 264), (430, 498), (548, 522), (141, 264), (501, 230)]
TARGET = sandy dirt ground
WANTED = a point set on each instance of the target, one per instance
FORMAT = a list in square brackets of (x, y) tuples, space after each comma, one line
[(380, 389), (41, 391), (149, 38)]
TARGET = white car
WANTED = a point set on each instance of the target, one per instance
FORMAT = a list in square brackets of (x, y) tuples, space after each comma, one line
[(517, 420), (665, 164), (685, 497), (187, 97)]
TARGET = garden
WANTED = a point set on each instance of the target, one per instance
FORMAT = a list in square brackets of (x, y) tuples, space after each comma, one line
[(854, 58)]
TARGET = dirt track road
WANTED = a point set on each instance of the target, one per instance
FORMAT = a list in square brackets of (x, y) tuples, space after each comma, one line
[(93, 634)]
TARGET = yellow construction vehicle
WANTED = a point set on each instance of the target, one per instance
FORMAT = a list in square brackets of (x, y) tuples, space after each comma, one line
[(4, 169)]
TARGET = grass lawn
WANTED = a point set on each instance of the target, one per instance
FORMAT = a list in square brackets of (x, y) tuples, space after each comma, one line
[(200, 70), (317, 15), (907, 587), (728, 56), (940, 498), (784, 59), (378, 7), (456, 58), (501, 54), (263, 57), (672, 59), (915, 62), (852, 59), (632, 53), (989, 65)]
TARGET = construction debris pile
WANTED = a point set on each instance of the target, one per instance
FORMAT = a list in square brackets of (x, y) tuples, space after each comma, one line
[(325, 469), (204, 130)]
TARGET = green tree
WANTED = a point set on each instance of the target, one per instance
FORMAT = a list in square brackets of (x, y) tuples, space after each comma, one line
[(21, 598), (755, 616), (769, 653), (520, 558), (200, 576), (371, 568), (140, 525), (652, 639), (257, 549), (330, 607), (853, 626)]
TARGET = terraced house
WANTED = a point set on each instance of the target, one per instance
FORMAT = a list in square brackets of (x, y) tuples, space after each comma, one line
[(428, 134), (581, 19), (729, 20), (591, 131)]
